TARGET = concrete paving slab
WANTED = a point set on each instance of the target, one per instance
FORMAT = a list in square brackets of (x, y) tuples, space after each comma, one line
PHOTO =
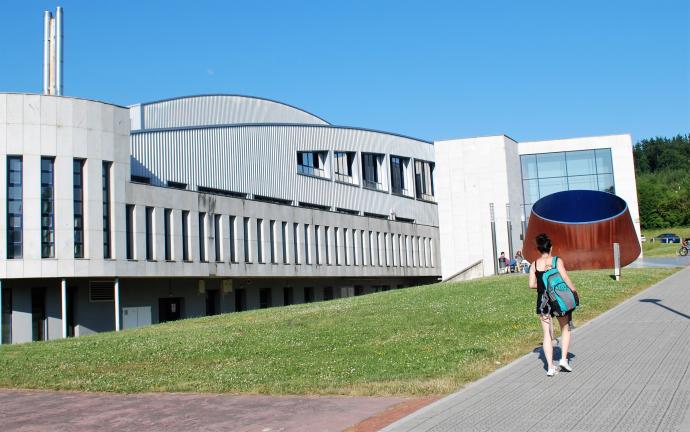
[(24, 411), (631, 372)]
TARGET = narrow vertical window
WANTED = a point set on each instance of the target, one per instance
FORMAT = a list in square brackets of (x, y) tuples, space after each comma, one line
[(295, 242), (326, 247), (202, 237), (372, 248), (260, 241), (78, 203), (307, 255), (105, 174), (316, 245), (14, 207), (338, 253), (217, 238), (272, 240), (247, 249), (233, 239), (346, 245), (284, 242), (167, 233), (47, 208), (185, 235), (129, 230), (149, 233)]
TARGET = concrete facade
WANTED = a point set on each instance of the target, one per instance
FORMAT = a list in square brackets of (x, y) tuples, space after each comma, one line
[(316, 236), (474, 173)]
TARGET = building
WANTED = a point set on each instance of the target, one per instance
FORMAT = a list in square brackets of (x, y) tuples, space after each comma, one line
[(203, 205), (486, 187), (117, 217)]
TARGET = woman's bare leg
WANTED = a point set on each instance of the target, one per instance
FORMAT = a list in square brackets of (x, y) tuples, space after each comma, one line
[(565, 336), (547, 346)]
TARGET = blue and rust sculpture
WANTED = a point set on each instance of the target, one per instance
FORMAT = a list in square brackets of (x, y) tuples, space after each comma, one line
[(583, 226)]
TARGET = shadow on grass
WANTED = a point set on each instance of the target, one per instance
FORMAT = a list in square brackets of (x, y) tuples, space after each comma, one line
[(658, 303)]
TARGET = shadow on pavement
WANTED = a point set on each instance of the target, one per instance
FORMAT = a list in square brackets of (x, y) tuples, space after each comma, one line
[(658, 303)]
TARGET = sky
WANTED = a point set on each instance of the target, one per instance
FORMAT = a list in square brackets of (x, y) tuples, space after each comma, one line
[(530, 69)]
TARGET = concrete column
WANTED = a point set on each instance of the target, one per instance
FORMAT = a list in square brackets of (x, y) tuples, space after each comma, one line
[(63, 297), (117, 304)]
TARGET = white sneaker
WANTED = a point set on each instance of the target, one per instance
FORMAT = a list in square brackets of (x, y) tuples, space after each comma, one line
[(551, 372), (565, 366)]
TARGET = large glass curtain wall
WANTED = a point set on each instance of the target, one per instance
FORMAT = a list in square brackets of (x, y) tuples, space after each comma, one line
[(547, 173)]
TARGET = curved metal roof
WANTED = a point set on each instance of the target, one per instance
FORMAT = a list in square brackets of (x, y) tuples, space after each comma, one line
[(216, 109)]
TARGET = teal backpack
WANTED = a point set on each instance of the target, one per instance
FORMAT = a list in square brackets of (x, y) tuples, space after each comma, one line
[(561, 299)]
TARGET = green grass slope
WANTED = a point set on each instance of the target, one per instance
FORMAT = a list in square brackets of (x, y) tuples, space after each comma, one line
[(416, 341)]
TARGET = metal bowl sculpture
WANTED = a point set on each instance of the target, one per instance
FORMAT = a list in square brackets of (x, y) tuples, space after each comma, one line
[(583, 226)]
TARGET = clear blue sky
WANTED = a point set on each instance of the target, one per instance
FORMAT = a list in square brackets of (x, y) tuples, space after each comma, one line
[(429, 69)]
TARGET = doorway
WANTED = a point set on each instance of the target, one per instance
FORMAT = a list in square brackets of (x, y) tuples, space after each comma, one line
[(39, 327), (240, 300), (211, 302), (169, 309)]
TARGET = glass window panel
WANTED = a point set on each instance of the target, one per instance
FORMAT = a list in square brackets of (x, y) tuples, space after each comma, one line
[(606, 183), (529, 166), (551, 165), (552, 185), (604, 163), (531, 190), (588, 182), (581, 162)]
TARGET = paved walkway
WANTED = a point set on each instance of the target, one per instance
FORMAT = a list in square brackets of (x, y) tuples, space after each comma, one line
[(631, 372), (76, 412)]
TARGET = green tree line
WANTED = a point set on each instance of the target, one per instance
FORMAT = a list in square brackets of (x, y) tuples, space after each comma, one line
[(662, 167)]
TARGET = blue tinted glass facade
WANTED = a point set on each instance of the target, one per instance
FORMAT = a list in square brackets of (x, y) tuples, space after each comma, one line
[(547, 173)]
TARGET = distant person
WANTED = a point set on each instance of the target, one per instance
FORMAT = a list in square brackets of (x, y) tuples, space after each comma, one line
[(537, 269), (518, 260), (502, 263)]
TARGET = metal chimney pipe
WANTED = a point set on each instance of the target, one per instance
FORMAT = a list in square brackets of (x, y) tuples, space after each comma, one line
[(46, 51), (58, 51)]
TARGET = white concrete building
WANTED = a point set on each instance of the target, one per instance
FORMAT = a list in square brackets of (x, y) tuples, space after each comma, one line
[(118, 217), (476, 175)]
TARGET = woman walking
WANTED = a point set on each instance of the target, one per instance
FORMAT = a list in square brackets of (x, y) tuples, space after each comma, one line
[(537, 269)]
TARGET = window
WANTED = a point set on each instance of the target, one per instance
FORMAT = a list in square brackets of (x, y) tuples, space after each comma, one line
[(105, 175), (233, 239), (272, 241), (371, 170), (338, 253), (185, 235), (344, 166), (260, 240), (167, 233), (316, 245), (217, 238), (265, 300), (307, 255), (295, 242), (326, 242), (247, 248), (149, 233), (78, 204), (547, 173), (424, 179), (14, 207), (346, 245), (129, 229), (308, 294), (202, 237), (287, 296), (47, 208), (284, 242), (399, 167), (328, 293), (312, 163)]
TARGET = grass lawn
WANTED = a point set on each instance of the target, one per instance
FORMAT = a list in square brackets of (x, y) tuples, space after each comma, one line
[(415, 341), (656, 249)]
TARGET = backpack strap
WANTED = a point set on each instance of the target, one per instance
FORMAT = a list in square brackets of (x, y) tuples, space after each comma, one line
[(554, 262)]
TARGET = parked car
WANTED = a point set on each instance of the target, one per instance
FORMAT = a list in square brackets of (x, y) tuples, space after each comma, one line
[(667, 238)]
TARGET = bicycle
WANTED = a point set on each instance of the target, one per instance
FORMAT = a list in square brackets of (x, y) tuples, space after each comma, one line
[(683, 251)]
